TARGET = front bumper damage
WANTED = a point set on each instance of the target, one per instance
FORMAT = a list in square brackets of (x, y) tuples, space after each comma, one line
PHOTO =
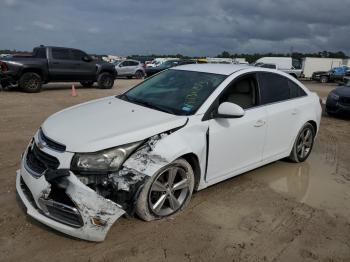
[(96, 213), (64, 201)]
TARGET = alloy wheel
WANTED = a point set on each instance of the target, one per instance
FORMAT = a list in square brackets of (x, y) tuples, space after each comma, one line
[(304, 143), (169, 191)]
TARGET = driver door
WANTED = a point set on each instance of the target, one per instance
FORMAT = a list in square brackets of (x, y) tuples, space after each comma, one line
[(237, 143)]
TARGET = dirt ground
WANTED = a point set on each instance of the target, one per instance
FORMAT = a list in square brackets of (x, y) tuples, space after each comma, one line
[(280, 212)]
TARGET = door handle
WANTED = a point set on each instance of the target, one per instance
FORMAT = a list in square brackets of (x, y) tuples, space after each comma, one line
[(259, 123)]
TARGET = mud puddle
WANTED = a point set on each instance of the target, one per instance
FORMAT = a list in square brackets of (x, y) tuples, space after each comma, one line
[(315, 182)]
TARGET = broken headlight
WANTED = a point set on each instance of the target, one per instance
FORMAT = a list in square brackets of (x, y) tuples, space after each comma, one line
[(108, 160)]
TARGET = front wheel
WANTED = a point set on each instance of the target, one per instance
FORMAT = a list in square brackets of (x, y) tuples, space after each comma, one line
[(166, 193), (30, 82), (139, 74), (105, 81), (303, 144)]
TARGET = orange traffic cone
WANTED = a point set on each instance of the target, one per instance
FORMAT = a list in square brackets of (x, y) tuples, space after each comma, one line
[(73, 93)]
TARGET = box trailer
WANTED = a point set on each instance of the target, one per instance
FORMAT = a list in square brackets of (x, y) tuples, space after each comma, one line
[(314, 64)]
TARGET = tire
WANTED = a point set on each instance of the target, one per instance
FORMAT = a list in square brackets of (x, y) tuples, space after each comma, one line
[(30, 82), (105, 81), (87, 83), (303, 144), (324, 79), (139, 74), (157, 190)]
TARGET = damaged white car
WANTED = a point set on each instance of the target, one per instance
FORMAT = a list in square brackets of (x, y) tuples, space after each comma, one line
[(145, 152)]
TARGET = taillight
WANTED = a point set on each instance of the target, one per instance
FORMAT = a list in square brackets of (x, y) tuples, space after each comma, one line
[(3, 66)]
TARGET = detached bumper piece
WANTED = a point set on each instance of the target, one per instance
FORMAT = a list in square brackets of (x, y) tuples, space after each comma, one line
[(60, 200)]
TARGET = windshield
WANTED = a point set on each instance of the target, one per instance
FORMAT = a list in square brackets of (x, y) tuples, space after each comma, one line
[(177, 92)]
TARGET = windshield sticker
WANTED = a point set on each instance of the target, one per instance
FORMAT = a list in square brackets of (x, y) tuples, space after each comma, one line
[(187, 108)]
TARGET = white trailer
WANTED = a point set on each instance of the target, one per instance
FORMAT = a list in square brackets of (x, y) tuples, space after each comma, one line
[(314, 64), (282, 63)]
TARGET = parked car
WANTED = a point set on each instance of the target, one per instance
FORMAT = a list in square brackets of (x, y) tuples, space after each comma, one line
[(288, 65), (55, 64), (180, 131), (338, 100), (130, 68), (166, 65), (335, 74)]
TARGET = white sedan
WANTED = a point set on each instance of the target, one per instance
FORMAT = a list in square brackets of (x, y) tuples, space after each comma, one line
[(145, 152)]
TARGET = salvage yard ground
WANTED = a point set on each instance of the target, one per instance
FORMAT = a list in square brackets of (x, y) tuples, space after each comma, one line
[(280, 212)]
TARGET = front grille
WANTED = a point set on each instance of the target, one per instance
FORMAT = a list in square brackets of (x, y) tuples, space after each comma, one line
[(344, 100), (51, 143), (38, 161), (60, 212)]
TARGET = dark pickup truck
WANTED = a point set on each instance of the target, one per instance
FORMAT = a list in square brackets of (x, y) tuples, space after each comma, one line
[(55, 64)]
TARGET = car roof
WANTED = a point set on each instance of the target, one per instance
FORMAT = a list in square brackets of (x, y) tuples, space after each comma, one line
[(223, 69)]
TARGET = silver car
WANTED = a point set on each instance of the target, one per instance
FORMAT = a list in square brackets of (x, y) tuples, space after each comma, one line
[(129, 68)]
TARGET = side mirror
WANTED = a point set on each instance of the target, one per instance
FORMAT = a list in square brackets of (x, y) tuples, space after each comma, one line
[(87, 58), (229, 110)]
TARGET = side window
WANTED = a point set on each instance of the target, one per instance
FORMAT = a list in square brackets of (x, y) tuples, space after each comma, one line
[(77, 54), (295, 90), (60, 53), (242, 92), (133, 63), (273, 88), (40, 52)]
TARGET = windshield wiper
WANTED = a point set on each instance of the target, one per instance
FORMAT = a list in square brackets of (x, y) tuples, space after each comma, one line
[(146, 104), (150, 105)]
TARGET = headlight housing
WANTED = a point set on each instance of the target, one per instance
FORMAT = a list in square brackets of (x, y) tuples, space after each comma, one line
[(108, 160), (334, 96)]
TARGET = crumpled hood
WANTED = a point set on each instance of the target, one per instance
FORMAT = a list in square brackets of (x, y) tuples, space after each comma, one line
[(106, 123)]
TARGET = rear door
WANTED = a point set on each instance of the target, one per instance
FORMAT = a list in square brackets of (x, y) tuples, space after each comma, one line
[(282, 99), (132, 67), (60, 64)]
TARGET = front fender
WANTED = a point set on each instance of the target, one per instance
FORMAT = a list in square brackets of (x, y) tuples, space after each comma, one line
[(162, 149)]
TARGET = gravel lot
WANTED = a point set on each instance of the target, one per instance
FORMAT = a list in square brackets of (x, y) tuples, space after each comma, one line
[(280, 212)]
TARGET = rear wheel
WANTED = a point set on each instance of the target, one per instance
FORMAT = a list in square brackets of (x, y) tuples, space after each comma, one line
[(105, 81), (324, 79), (303, 144), (30, 82), (166, 193), (87, 83)]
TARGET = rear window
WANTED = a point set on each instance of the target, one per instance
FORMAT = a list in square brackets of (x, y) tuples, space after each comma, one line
[(275, 88)]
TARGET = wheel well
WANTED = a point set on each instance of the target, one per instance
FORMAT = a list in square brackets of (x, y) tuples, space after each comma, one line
[(193, 161), (33, 70), (314, 125), (107, 71)]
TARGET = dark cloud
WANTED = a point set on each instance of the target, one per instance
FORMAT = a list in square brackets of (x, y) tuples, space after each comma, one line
[(197, 27)]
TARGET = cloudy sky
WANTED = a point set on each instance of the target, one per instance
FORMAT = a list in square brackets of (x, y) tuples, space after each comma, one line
[(190, 27)]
